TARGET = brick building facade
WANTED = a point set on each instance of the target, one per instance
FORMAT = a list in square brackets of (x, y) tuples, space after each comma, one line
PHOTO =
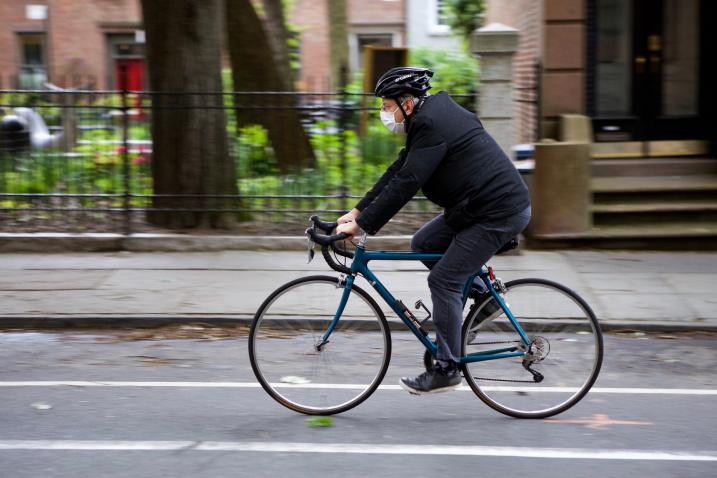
[(370, 22), (640, 70), (89, 42), (71, 43)]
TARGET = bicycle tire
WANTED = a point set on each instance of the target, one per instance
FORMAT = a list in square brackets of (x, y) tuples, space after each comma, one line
[(296, 336), (567, 327)]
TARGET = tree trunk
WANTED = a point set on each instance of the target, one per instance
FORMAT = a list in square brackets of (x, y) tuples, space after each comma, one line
[(254, 69), (278, 35), (339, 43), (189, 138)]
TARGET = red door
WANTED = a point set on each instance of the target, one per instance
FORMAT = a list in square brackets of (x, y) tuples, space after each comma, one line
[(129, 74)]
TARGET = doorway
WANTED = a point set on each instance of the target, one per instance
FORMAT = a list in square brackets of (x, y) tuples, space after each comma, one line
[(648, 70), (129, 74), (126, 65)]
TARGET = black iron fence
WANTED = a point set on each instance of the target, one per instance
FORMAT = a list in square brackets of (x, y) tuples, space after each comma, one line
[(83, 160)]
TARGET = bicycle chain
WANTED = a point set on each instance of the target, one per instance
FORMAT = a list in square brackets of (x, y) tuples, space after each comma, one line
[(493, 343), (504, 380)]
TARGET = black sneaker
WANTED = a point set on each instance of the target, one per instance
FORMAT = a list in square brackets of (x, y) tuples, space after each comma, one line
[(435, 380)]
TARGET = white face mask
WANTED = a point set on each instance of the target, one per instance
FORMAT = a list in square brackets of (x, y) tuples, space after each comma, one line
[(389, 121)]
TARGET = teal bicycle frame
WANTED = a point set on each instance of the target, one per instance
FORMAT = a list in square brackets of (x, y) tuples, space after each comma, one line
[(360, 266)]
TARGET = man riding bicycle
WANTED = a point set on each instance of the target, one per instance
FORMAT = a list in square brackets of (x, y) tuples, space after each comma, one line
[(458, 165)]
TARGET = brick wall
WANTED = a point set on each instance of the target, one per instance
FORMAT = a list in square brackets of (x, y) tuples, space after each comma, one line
[(12, 22), (310, 16), (563, 89), (76, 36)]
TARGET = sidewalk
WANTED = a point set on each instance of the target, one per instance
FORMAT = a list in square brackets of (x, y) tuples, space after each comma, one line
[(634, 290)]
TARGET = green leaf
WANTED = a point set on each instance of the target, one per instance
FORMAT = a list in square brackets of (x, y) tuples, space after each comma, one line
[(320, 422)]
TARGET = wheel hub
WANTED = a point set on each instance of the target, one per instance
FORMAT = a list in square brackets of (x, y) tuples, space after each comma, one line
[(538, 350)]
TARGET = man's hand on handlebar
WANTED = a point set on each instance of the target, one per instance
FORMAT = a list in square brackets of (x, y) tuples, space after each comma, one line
[(350, 228), (349, 217)]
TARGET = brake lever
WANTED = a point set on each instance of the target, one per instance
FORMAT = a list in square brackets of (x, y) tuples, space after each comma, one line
[(309, 237), (311, 251)]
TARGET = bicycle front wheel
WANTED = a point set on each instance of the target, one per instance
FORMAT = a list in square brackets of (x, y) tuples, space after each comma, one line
[(292, 364), (566, 349)]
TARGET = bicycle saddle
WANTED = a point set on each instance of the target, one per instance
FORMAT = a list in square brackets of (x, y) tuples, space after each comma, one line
[(508, 246)]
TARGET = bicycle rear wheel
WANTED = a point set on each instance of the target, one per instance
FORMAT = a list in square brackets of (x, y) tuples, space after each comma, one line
[(567, 349), (301, 374)]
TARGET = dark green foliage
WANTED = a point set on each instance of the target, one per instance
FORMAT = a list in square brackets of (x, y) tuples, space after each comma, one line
[(462, 15), (456, 73)]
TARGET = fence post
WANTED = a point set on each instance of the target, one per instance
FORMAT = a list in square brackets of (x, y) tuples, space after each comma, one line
[(125, 153)]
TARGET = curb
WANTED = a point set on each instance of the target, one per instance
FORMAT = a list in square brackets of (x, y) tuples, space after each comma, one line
[(150, 321), (144, 242)]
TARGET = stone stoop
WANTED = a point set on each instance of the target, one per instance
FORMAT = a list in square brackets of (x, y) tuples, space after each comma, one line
[(648, 203), (642, 194), (657, 207)]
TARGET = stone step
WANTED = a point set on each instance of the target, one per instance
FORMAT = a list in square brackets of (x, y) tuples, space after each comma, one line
[(646, 197), (648, 184), (656, 167), (641, 207), (653, 149), (655, 218), (673, 236)]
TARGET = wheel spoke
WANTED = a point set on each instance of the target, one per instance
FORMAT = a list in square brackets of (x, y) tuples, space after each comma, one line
[(284, 351), (557, 321)]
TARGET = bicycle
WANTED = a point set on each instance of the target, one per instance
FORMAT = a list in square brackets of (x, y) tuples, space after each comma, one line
[(321, 345)]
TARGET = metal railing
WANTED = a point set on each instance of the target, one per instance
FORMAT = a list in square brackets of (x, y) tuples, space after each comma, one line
[(83, 161)]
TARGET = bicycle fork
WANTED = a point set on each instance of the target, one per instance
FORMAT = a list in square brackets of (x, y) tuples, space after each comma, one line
[(346, 282)]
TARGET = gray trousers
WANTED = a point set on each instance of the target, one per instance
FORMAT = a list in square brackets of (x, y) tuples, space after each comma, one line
[(465, 252)]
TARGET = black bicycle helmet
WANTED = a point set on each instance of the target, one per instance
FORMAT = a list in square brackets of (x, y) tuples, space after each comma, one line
[(404, 79)]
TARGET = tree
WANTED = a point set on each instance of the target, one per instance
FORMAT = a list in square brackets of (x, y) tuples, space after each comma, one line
[(338, 42), (462, 16), (278, 36), (189, 139), (254, 68)]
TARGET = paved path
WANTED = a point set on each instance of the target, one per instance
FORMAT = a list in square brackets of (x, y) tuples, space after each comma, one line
[(624, 288), (106, 404)]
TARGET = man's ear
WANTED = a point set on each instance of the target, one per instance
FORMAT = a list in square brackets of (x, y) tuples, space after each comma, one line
[(409, 106)]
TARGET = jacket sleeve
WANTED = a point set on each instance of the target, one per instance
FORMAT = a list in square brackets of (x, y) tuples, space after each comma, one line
[(381, 183), (424, 156)]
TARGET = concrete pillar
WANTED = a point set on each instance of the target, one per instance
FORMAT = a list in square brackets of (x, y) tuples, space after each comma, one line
[(561, 195), (576, 128), (496, 44)]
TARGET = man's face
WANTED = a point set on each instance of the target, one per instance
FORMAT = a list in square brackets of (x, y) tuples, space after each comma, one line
[(387, 104)]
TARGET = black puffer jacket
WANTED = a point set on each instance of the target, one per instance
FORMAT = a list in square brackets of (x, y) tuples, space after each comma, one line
[(458, 165)]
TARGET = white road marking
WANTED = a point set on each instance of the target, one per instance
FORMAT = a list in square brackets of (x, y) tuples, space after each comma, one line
[(359, 448), (611, 390)]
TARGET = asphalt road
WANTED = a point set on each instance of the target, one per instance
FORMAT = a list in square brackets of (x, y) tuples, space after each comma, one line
[(86, 404)]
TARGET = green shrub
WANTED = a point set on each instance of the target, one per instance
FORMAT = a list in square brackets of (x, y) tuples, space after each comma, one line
[(456, 73), (254, 155)]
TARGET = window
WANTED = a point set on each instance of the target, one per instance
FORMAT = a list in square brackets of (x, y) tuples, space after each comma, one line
[(32, 46), (441, 12), (438, 16), (32, 73)]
